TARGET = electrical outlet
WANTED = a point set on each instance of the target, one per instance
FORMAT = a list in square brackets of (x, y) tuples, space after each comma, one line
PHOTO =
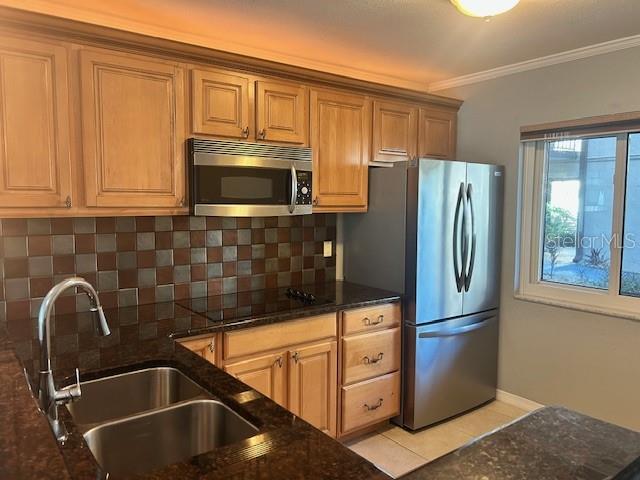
[(328, 248)]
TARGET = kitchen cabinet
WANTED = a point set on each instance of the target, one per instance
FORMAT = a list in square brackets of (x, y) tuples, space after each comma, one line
[(312, 384), (204, 347), (133, 130), (35, 162), (340, 138), (437, 133), (370, 402), (282, 112), (264, 373), (395, 131)]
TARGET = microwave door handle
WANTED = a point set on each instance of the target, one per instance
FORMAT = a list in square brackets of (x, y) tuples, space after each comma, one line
[(294, 189)]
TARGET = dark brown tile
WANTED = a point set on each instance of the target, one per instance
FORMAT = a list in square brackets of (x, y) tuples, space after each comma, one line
[(284, 234), (229, 269), (296, 221), (271, 280), (296, 278), (146, 295), (61, 226), (320, 276), (66, 304), (16, 267), (38, 287), (85, 243), (197, 238), (308, 234), (39, 245), (257, 266), (244, 252), (271, 250), (163, 240), (229, 237), (214, 254), (125, 241), (109, 299), (164, 275), (214, 287), (105, 225), (14, 227), (182, 291), (257, 236), (284, 264), (182, 256), (106, 261), (63, 264), (127, 279), (145, 224), (214, 223), (198, 272), (270, 222), (243, 222), (244, 284), (296, 249), (18, 309), (146, 258), (180, 223)]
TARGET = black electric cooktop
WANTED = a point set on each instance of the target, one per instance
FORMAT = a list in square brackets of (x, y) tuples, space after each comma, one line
[(228, 307)]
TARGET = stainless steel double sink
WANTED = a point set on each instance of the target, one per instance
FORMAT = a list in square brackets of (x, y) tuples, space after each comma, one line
[(146, 419)]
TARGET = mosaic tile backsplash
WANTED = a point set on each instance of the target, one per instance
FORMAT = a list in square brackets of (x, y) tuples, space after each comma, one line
[(139, 260)]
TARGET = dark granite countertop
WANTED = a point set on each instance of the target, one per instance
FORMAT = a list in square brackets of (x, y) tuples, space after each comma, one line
[(552, 443), (285, 447)]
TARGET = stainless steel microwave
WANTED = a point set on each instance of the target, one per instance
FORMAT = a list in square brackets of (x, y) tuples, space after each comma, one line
[(242, 179)]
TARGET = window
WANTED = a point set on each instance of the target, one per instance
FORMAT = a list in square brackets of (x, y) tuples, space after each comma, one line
[(579, 223)]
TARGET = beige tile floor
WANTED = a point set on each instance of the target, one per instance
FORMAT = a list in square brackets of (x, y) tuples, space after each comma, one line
[(397, 451)]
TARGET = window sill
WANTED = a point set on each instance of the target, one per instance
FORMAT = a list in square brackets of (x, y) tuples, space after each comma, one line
[(609, 312)]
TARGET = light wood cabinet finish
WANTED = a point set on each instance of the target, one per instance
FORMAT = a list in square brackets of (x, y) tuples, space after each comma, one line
[(371, 318), (282, 112), (395, 131), (221, 103), (133, 130), (313, 384), (370, 402), (340, 138), (264, 373), (437, 136), (35, 168), (270, 337), (370, 355), (205, 347)]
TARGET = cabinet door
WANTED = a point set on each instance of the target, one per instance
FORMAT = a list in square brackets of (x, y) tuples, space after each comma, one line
[(263, 373), (204, 347), (34, 125), (340, 137), (282, 112), (437, 136), (220, 104), (133, 131), (312, 385), (395, 131)]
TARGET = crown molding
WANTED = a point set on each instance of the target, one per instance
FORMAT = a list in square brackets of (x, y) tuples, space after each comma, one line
[(541, 62)]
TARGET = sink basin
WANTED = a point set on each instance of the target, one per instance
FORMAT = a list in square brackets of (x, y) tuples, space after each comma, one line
[(130, 393), (152, 440)]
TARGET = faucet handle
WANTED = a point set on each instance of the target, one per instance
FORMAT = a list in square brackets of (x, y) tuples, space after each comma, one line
[(71, 393)]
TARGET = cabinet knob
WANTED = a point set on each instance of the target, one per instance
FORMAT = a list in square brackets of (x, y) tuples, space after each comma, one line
[(67, 202), (262, 134), (295, 357), (245, 132)]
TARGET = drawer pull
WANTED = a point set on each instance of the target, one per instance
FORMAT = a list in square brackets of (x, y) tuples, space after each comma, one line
[(370, 361), (278, 362), (368, 322), (370, 408)]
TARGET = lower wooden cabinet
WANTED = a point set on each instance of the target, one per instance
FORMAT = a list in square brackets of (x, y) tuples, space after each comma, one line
[(313, 383), (205, 347), (264, 373)]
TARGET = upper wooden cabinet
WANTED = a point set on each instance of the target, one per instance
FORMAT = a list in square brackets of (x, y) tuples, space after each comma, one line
[(133, 130), (282, 112), (35, 168), (340, 138), (395, 131), (437, 137), (220, 104)]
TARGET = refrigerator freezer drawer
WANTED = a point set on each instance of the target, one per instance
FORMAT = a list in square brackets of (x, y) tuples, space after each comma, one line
[(450, 367)]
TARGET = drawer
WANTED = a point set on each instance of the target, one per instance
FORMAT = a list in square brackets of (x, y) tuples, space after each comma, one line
[(370, 318), (270, 337), (370, 401), (370, 355)]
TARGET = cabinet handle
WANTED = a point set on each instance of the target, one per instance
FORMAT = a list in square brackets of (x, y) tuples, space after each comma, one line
[(212, 347), (369, 408), (245, 132), (262, 134), (368, 322), (67, 202), (295, 357), (278, 362), (371, 361), (315, 201)]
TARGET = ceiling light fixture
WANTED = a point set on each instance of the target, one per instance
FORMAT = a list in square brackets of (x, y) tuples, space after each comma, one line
[(484, 8)]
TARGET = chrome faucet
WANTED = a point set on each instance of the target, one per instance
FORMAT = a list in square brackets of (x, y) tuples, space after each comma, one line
[(48, 397)]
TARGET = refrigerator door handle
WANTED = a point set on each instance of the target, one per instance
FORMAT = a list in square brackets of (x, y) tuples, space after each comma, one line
[(456, 331), (457, 240), (469, 268)]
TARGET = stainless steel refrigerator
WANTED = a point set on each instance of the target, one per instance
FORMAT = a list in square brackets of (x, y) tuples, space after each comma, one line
[(433, 232)]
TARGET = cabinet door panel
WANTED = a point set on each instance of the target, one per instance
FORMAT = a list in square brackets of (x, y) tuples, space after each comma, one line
[(340, 132), (265, 374), (437, 133), (34, 128), (204, 347), (220, 104), (282, 112), (133, 131), (395, 131), (312, 385)]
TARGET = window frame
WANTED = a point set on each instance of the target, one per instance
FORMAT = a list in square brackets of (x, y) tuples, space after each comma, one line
[(530, 217)]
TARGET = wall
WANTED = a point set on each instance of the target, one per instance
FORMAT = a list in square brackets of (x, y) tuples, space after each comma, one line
[(552, 355), (135, 260)]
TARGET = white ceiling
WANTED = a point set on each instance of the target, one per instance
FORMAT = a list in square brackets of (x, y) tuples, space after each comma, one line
[(407, 42)]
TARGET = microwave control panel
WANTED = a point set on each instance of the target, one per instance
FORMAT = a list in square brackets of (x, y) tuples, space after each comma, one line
[(304, 188)]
